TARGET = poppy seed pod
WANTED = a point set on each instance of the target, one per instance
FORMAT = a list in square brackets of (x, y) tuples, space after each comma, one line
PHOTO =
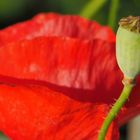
[(128, 46)]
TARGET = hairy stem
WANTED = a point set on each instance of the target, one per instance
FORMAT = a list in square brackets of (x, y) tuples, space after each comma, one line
[(114, 110)]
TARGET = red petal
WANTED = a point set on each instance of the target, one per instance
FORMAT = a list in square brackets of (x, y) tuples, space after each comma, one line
[(55, 25), (65, 62), (62, 61), (72, 64), (32, 113), (86, 63)]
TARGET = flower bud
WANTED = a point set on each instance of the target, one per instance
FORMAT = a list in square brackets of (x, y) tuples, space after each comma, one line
[(128, 47)]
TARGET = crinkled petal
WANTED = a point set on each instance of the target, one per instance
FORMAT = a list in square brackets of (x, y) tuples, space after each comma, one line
[(61, 61), (87, 68), (56, 25), (74, 55), (38, 113)]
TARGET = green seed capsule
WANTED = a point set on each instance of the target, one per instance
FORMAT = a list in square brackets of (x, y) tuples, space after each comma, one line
[(128, 46)]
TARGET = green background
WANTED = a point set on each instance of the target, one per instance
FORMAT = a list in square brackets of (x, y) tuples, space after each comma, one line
[(12, 11)]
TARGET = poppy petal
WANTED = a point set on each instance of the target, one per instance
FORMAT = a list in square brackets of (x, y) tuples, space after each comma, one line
[(77, 56), (56, 25), (72, 65), (37, 112)]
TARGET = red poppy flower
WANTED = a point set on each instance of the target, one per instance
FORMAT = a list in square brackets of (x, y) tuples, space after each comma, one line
[(59, 77)]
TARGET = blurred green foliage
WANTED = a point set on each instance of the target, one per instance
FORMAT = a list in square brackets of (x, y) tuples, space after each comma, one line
[(2, 137), (12, 11)]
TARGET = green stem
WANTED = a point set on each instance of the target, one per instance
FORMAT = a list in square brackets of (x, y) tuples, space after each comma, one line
[(114, 7), (114, 110), (92, 7)]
